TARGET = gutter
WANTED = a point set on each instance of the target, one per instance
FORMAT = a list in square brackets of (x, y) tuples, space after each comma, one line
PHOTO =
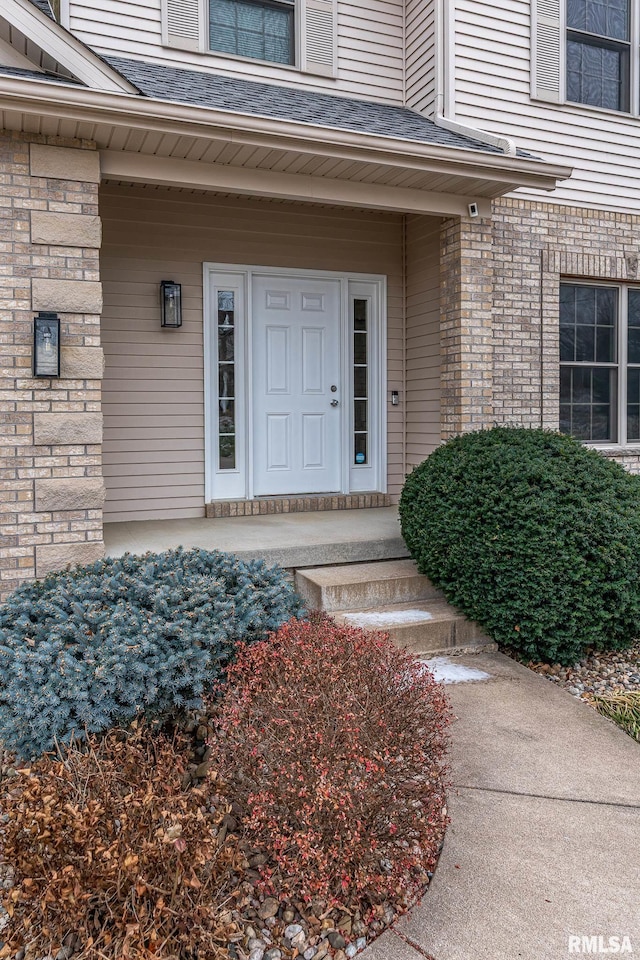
[(64, 101), (445, 83)]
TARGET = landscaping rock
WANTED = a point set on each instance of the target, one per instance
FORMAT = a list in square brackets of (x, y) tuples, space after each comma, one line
[(293, 931), (336, 940), (615, 671), (268, 909)]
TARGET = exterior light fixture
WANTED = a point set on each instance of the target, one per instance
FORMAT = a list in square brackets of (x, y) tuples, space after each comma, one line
[(46, 345), (171, 304)]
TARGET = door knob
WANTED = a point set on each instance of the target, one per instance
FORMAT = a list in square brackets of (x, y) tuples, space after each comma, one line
[(335, 403)]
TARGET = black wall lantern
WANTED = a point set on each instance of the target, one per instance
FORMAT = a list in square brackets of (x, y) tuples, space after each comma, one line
[(46, 345), (171, 303)]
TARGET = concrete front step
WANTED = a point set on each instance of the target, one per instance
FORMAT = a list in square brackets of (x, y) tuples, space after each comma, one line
[(426, 627), (360, 586)]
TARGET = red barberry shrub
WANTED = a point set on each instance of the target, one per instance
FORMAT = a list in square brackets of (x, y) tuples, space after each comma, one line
[(333, 742), (111, 854)]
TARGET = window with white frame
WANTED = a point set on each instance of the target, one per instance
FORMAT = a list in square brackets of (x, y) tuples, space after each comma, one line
[(300, 33), (258, 29), (600, 362), (599, 52), (587, 52)]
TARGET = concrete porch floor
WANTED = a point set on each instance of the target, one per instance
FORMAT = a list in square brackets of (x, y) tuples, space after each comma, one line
[(289, 539)]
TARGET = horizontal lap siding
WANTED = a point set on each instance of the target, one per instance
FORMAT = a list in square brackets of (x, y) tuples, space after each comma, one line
[(420, 69), (153, 391), (493, 92), (423, 338), (370, 45)]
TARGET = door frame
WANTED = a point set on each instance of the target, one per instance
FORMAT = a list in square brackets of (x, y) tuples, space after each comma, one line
[(238, 484)]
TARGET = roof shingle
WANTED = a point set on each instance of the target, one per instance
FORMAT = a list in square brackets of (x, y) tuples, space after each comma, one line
[(160, 82), (45, 6)]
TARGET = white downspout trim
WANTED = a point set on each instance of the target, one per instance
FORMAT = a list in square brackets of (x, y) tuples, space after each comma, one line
[(445, 88)]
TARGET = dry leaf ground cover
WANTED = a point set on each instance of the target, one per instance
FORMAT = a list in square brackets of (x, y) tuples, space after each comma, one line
[(296, 816)]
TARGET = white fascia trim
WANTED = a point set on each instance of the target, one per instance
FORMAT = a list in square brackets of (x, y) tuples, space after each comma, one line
[(445, 83), (95, 106), (63, 47)]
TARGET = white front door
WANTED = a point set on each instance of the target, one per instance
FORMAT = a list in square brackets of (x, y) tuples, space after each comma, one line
[(297, 390)]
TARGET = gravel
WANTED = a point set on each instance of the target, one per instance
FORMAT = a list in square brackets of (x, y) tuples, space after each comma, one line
[(598, 673)]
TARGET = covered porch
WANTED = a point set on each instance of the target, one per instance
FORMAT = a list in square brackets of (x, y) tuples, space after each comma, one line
[(290, 540), (308, 363)]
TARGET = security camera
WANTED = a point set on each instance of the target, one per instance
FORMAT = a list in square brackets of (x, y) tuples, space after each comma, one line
[(473, 210)]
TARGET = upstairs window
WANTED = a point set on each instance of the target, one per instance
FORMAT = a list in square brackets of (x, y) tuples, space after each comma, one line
[(599, 53), (586, 52), (287, 32), (259, 29)]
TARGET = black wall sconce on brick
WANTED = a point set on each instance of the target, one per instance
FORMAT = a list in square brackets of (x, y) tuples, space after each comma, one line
[(46, 345)]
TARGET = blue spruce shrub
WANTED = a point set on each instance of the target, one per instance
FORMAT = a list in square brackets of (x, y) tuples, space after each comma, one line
[(94, 647), (533, 535)]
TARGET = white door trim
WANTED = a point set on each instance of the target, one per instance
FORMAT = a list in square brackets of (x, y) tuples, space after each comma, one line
[(237, 484)]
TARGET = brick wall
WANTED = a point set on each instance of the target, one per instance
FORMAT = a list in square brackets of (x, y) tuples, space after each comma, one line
[(51, 488), (512, 343)]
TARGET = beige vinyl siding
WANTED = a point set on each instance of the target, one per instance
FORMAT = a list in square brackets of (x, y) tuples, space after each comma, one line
[(493, 91), (423, 338), (420, 82), (370, 46), (153, 397)]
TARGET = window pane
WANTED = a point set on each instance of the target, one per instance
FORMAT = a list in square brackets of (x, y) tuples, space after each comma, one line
[(588, 403), (226, 380), (253, 28), (588, 323), (360, 320), (227, 453), (608, 18), (633, 404), (597, 75), (634, 327)]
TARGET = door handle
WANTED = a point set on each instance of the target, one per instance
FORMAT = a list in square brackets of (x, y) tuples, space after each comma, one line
[(335, 403)]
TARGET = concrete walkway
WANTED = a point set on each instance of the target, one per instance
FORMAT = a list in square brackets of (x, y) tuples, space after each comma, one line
[(544, 841)]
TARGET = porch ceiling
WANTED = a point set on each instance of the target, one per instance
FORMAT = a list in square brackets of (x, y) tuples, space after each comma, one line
[(154, 141)]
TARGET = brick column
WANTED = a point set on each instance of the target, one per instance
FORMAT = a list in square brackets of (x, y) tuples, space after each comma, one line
[(466, 273), (51, 487)]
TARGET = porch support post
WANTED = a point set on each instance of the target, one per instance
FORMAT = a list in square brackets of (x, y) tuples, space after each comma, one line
[(50, 429), (466, 271)]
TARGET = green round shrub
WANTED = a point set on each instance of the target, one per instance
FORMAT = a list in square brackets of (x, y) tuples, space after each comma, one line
[(534, 536), (94, 647)]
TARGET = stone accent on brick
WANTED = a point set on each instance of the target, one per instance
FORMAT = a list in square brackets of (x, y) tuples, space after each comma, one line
[(58, 429), (67, 296), (50, 430), (64, 163), (65, 229), (81, 363), (310, 504), (69, 493), (60, 556)]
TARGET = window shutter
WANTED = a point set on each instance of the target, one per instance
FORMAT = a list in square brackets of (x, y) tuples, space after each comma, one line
[(547, 50), (319, 37), (181, 20)]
